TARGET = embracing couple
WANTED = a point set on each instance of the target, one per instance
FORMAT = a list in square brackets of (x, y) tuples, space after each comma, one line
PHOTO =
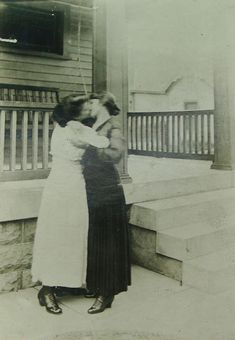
[(82, 232)]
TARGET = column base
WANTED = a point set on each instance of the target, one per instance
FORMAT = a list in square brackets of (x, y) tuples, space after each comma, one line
[(125, 178), (218, 166)]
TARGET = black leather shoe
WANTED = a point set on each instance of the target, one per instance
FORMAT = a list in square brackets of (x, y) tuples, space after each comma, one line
[(100, 304), (47, 299)]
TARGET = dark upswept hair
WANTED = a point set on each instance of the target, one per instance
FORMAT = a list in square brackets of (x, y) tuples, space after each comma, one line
[(108, 100), (68, 109)]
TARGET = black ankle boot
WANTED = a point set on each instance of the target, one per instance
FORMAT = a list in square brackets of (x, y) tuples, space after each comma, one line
[(47, 298), (100, 304)]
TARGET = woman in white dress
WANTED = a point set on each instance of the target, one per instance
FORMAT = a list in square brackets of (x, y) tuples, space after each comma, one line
[(60, 249)]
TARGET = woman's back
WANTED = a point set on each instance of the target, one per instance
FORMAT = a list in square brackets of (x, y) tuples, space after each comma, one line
[(62, 145)]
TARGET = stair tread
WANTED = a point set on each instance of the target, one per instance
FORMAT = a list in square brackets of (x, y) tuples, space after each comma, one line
[(197, 229), (218, 260), (186, 200)]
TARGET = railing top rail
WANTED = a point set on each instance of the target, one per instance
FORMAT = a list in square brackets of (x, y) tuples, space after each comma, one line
[(14, 105), (191, 112), (29, 87)]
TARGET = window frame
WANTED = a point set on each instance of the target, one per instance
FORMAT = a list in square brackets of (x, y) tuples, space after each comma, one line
[(66, 10)]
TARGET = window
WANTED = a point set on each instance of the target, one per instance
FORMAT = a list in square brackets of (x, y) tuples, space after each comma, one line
[(191, 106), (32, 29)]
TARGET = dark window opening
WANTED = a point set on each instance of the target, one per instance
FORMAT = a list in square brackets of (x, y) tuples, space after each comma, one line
[(31, 29)]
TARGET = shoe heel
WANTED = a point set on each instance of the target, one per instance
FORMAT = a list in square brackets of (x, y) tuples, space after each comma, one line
[(109, 305), (41, 303), (40, 300)]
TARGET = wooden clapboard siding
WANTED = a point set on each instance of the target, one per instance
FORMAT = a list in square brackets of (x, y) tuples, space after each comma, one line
[(8, 66), (66, 75), (85, 62), (72, 88), (43, 76)]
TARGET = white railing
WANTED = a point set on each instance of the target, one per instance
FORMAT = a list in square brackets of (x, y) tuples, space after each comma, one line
[(180, 134), (25, 130)]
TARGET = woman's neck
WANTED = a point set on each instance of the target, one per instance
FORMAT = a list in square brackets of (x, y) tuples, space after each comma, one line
[(102, 116)]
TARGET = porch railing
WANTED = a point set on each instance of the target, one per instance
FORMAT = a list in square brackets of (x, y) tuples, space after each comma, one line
[(25, 130), (24, 140), (184, 134)]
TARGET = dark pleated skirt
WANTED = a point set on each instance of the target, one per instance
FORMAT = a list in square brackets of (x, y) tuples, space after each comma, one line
[(108, 267)]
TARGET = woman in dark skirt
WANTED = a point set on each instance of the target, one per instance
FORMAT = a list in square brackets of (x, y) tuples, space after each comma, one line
[(108, 267)]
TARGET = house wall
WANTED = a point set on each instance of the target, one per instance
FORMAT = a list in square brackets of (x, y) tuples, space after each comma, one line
[(183, 94), (170, 40), (41, 69)]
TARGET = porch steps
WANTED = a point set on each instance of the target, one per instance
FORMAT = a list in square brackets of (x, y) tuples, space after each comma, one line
[(191, 232), (213, 207), (175, 187), (212, 273), (193, 240)]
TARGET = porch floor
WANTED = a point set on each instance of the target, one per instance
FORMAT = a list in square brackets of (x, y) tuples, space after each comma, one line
[(146, 169), (155, 307)]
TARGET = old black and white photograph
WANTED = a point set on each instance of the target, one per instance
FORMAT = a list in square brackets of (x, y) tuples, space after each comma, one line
[(117, 169)]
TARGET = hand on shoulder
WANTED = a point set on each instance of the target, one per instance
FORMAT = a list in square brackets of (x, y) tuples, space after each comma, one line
[(74, 124)]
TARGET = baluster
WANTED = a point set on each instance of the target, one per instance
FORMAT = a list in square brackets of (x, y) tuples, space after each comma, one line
[(151, 126), (36, 96), (25, 96), (35, 141), (209, 132), (157, 133), (190, 132), (167, 133), (43, 96), (173, 133), (54, 97), (12, 94), (34, 99), (131, 131), (50, 95), (202, 133), (162, 133), (13, 140), (2, 138), (178, 133), (141, 132), (30, 95), (45, 135), (46, 97), (1, 94), (184, 133), (147, 132), (196, 134), (136, 133), (5, 94), (24, 139), (8, 94)]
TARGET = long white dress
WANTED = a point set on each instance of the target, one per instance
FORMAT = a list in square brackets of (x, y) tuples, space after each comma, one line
[(60, 248)]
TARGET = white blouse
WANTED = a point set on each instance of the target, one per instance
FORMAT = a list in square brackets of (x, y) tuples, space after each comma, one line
[(70, 142)]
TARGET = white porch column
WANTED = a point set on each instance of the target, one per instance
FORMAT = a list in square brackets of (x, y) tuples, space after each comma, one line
[(111, 59), (224, 85)]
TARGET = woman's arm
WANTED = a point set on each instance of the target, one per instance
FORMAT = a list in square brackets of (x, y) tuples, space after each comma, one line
[(84, 135), (116, 147)]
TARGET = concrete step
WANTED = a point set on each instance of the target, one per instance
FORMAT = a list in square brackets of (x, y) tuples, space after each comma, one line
[(175, 187), (194, 240), (211, 273), (213, 207)]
